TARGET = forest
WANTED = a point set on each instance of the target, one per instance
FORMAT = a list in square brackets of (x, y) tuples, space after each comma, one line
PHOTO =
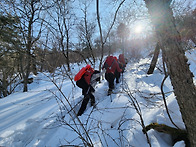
[(56, 37)]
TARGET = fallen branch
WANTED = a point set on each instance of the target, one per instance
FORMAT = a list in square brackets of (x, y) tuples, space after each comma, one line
[(176, 134)]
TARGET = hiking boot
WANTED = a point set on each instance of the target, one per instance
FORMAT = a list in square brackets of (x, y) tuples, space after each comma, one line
[(79, 114), (92, 103), (109, 92)]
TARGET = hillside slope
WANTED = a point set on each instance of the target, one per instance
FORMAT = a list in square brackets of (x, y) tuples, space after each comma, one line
[(39, 118)]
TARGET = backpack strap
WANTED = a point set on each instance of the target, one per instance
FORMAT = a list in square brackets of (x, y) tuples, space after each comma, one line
[(106, 66), (112, 64)]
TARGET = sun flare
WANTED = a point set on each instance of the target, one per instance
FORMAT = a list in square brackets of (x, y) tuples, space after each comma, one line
[(138, 29)]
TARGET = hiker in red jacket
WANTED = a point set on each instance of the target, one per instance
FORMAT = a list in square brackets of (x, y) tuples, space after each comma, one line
[(86, 78), (122, 65), (117, 73), (111, 66), (122, 62)]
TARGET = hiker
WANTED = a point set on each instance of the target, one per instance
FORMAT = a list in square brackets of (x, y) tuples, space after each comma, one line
[(122, 62), (122, 65), (111, 66), (86, 79), (117, 73)]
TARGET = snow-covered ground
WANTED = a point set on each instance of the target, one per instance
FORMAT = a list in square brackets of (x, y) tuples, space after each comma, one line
[(40, 116)]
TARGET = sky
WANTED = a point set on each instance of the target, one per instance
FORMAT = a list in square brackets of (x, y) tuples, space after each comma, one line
[(130, 13)]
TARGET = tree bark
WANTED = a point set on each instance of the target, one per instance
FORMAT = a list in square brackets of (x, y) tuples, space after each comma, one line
[(154, 59), (178, 69)]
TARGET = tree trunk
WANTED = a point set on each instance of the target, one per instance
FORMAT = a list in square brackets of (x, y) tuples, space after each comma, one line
[(4, 86), (178, 69), (67, 50), (28, 56), (154, 59), (25, 88), (100, 33)]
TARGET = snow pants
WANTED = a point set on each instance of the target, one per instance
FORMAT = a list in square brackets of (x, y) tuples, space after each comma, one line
[(110, 78), (117, 76), (87, 92)]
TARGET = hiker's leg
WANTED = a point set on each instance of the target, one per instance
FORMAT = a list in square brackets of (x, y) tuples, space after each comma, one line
[(117, 75), (84, 104), (110, 78), (92, 98), (91, 89)]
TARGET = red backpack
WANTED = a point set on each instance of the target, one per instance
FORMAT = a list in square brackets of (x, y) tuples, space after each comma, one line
[(79, 75), (109, 62), (86, 72), (121, 58)]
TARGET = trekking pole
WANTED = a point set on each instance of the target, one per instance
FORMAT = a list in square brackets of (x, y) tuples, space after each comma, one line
[(111, 97), (88, 89), (122, 80)]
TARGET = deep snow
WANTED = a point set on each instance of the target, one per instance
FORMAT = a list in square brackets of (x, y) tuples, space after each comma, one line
[(38, 117)]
